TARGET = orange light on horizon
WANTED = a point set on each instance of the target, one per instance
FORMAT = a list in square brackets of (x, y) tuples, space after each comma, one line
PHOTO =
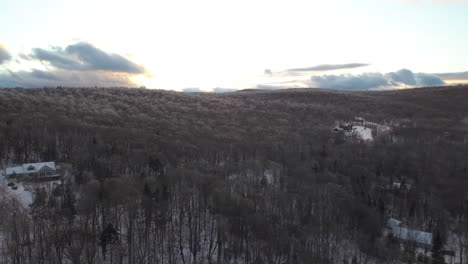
[(452, 81)]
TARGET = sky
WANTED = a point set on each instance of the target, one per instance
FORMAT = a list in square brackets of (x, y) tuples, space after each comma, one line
[(217, 45)]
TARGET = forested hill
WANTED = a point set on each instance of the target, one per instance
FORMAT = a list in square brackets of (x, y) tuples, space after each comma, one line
[(243, 177), (206, 119)]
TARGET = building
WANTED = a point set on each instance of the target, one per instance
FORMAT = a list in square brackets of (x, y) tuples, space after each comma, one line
[(42, 171), (397, 186), (419, 238)]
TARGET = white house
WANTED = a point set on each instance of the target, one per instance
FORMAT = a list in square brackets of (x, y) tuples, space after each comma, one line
[(34, 171), (399, 186), (420, 238)]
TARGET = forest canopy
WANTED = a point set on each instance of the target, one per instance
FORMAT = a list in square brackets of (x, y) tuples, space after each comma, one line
[(242, 177)]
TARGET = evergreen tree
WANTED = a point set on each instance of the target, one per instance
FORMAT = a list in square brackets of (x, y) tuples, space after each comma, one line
[(437, 256), (68, 205)]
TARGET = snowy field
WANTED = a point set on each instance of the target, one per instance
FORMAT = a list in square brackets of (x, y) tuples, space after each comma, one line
[(363, 129), (23, 192), (20, 192), (363, 132)]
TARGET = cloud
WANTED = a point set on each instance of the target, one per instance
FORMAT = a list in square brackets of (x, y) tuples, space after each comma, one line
[(4, 54), (223, 90), (56, 58), (304, 72), (83, 56), (407, 77), (402, 76), (330, 67), (425, 79), (192, 90), (453, 75), (96, 59), (363, 81), (370, 81), (78, 65), (268, 72), (43, 75), (38, 78)]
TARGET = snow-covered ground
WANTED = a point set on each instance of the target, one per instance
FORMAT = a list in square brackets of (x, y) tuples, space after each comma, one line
[(21, 192), (363, 132), (268, 174), (363, 129), (377, 126)]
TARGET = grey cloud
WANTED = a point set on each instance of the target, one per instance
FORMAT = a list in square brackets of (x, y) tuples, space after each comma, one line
[(96, 59), (57, 59), (424, 79), (453, 75), (330, 67), (43, 75), (192, 90), (78, 65), (4, 54), (268, 72), (407, 77), (37, 78), (223, 90), (83, 56), (363, 81), (402, 76), (368, 81)]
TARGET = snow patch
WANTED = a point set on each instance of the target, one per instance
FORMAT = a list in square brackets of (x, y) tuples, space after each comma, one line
[(361, 128), (268, 174), (23, 192), (19, 191), (363, 132)]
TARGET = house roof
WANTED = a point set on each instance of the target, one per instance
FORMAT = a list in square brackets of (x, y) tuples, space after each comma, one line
[(29, 168), (398, 186), (412, 235), (405, 233), (14, 170), (392, 222)]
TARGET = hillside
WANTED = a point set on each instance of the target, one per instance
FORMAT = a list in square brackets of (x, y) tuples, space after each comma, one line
[(234, 117), (243, 177)]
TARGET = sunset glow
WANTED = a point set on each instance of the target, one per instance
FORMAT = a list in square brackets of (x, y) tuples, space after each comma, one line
[(208, 44)]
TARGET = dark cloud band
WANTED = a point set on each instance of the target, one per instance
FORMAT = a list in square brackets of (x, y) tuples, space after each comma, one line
[(78, 65), (37, 79), (453, 75), (330, 67), (85, 57), (368, 81)]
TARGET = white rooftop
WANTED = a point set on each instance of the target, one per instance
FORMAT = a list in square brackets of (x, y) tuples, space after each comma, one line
[(408, 234), (392, 223), (398, 185), (412, 235), (29, 168)]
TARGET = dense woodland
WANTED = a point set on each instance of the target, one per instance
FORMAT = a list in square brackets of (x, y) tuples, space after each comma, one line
[(244, 177)]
